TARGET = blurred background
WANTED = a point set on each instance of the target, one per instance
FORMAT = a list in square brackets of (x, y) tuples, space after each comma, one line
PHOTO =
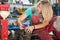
[(17, 8)]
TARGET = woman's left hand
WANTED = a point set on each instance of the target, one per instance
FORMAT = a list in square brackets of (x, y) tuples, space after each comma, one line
[(29, 29)]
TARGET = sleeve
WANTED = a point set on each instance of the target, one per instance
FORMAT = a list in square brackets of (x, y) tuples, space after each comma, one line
[(28, 11)]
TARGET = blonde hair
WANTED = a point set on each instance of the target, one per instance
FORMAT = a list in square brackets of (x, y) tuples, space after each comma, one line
[(47, 10)]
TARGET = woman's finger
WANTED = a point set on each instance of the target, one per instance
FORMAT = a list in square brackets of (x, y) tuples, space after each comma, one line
[(28, 30)]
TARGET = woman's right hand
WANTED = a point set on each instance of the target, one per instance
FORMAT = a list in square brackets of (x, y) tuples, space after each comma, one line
[(20, 19), (22, 27)]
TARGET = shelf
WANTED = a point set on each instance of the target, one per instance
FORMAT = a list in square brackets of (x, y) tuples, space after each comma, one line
[(20, 6)]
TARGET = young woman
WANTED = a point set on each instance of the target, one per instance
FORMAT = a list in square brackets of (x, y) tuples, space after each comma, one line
[(40, 15)]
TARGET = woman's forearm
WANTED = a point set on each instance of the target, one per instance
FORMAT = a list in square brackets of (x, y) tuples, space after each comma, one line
[(39, 26), (20, 19), (19, 22)]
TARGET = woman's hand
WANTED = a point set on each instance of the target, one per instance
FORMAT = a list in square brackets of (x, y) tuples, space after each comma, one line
[(20, 20), (29, 29), (21, 27)]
